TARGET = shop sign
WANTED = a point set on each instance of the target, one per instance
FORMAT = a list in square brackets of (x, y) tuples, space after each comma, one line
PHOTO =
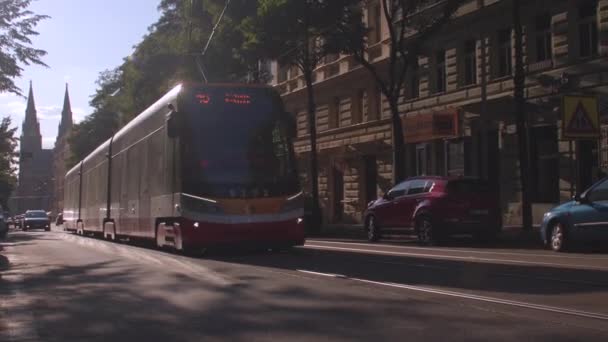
[(430, 126), (580, 117)]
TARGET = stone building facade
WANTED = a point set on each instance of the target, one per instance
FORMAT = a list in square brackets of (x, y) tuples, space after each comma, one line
[(35, 183), (61, 153), (457, 107)]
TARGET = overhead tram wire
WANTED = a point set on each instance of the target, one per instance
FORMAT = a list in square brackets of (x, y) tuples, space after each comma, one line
[(198, 58)]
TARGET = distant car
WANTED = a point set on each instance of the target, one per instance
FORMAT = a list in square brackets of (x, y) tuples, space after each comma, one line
[(435, 208), (3, 227), (583, 219), (36, 219)]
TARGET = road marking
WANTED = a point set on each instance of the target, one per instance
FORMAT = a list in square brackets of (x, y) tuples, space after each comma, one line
[(454, 257), (495, 300), (552, 255), (323, 274)]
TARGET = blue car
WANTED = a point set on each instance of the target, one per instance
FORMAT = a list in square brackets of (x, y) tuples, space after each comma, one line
[(584, 219)]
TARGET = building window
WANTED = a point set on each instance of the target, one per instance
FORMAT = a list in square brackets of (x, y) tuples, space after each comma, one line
[(587, 29), (604, 148), (357, 106), (371, 178), (456, 159), (412, 90), (294, 71), (380, 105), (543, 38), (504, 53), (332, 57), (422, 159), (374, 23), (334, 112), (281, 73), (544, 164), (470, 63), (440, 78)]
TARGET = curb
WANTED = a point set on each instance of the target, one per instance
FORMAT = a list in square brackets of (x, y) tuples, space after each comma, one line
[(508, 234)]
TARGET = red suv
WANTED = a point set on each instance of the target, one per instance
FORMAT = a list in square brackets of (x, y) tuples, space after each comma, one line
[(435, 208)]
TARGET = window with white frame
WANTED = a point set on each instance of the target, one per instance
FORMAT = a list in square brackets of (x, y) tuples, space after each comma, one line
[(440, 76), (543, 37), (504, 67), (374, 20), (470, 63), (334, 112), (412, 88)]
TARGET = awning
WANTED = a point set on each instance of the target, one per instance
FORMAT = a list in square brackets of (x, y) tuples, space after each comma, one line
[(358, 149), (430, 126)]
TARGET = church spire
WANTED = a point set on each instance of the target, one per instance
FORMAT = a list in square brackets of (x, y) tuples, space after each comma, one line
[(30, 132), (66, 114), (30, 110)]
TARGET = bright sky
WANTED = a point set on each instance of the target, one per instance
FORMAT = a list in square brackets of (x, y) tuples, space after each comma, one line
[(82, 38)]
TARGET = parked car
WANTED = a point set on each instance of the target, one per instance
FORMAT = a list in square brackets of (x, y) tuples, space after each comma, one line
[(36, 219), (435, 208), (3, 227), (583, 219)]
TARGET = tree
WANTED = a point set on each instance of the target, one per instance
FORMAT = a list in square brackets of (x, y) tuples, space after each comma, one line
[(102, 123), (409, 30), (17, 25), (8, 160), (298, 33), (165, 57), (519, 78)]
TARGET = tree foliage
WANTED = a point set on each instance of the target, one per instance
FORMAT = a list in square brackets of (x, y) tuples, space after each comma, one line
[(298, 33), (412, 24), (17, 26), (102, 123), (166, 56), (8, 160)]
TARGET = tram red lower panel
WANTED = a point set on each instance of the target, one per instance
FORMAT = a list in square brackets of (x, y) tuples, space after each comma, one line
[(285, 233)]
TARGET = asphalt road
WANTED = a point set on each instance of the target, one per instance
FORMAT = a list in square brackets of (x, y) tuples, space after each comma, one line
[(61, 287)]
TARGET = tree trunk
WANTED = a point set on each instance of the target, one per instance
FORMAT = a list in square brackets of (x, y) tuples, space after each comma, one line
[(522, 127), (315, 225), (398, 144)]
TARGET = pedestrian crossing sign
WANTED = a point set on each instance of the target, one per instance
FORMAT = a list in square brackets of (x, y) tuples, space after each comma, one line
[(580, 117)]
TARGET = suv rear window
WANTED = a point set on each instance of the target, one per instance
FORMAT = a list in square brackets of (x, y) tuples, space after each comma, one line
[(467, 186), (35, 214)]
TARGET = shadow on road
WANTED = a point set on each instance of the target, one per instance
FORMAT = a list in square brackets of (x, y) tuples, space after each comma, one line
[(455, 274), (106, 301), (119, 300)]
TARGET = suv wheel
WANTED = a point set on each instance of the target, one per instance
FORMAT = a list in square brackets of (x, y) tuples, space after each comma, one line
[(426, 232), (557, 240), (373, 232)]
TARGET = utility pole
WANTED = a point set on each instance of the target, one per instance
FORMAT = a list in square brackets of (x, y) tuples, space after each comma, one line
[(521, 119)]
